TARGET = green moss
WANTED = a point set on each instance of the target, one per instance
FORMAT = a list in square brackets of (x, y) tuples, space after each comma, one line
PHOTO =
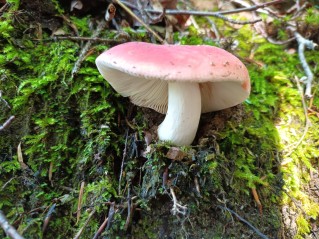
[(71, 130)]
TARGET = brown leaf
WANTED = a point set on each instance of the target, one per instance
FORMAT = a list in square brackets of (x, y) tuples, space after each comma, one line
[(175, 153), (20, 158)]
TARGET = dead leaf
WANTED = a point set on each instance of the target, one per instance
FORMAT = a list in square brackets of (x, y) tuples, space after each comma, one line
[(78, 213), (76, 4), (20, 158), (175, 153), (50, 172)]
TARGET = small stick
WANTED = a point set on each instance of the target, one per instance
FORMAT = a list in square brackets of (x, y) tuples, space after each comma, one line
[(8, 229), (245, 221), (122, 164), (204, 13), (86, 48), (4, 8), (48, 217), (129, 11), (130, 209), (110, 216), (252, 8), (77, 236), (7, 123), (194, 13), (93, 39), (101, 229)]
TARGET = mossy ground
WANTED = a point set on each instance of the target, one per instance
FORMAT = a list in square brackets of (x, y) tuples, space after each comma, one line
[(77, 129)]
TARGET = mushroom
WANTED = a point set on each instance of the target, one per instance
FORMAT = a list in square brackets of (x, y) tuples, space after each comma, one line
[(180, 81)]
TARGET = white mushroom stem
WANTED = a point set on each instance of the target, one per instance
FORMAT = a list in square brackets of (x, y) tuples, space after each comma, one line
[(183, 113)]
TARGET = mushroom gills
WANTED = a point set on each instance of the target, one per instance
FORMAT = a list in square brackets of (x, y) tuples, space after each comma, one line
[(183, 114)]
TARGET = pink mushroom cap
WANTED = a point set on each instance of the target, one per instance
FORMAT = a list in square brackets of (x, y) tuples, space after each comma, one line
[(142, 71)]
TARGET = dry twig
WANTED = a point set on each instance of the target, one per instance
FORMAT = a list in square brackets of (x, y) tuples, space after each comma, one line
[(245, 221), (8, 229), (7, 123), (101, 228), (4, 8), (77, 236), (86, 48), (48, 217), (160, 39), (218, 14), (123, 160), (92, 39)]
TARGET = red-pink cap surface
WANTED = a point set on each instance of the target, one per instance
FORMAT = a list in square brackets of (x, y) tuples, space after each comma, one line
[(142, 71)]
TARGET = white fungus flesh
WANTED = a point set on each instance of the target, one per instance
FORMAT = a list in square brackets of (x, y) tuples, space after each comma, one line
[(183, 113)]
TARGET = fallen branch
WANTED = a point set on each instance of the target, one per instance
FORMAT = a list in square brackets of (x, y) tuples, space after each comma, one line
[(7, 123), (8, 229), (302, 43), (245, 221)]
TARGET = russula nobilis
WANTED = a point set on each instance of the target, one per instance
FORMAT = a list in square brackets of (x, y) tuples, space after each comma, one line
[(177, 80)]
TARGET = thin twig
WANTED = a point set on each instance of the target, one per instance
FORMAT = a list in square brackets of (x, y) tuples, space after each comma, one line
[(307, 123), (204, 13), (110, 216), (276, 42), (77, 236), (245, 221), (86, 48), (7, 123), (4, 8), (252, 8), (130, 209), (123, 160), (48, 217), (8, 229), (129, 11), (92, 39), (101, 228), (302, 43)]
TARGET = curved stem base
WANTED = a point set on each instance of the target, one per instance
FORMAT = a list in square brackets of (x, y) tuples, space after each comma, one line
[(183, 113)]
